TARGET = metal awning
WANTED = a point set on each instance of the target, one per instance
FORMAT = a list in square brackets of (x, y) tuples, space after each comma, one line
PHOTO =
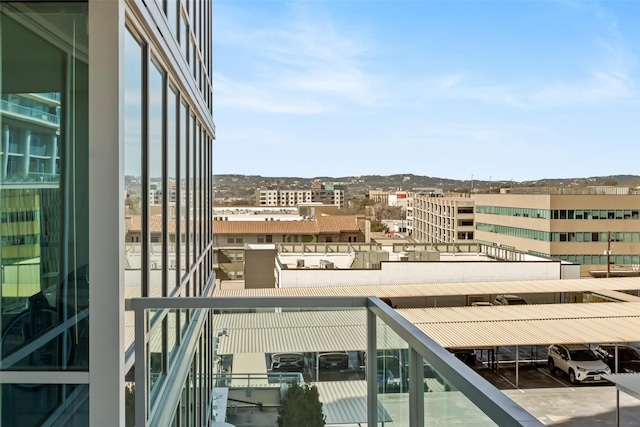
[(305, 331), (628, 383), (540, 324), (451, 327), (345, 402), (615, 295), (445, 289)]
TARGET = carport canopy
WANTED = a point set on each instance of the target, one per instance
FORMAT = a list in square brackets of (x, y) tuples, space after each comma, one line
[(444, 289), (450, 327)]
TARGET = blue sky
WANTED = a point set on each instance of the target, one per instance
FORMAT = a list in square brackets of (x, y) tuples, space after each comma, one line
[(499, 90)]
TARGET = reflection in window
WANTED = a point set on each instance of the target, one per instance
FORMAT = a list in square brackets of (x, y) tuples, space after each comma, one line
[(192, 190), (172, 180), (43, 203), (133, 164), (156, 189), (184, 191)]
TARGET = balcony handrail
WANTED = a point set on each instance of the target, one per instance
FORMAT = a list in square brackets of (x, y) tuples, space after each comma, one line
[(29, 112), (250, 378), (491, 401)]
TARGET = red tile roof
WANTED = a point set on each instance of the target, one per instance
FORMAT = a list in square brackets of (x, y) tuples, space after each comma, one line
[(265, 227)]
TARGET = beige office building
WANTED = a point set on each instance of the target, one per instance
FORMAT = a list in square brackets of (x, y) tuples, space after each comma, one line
[(434, 218), (573, 227)]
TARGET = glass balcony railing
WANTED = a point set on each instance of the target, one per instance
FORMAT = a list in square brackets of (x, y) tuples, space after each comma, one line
[(31, 178), (371, 365), (55, 96), (38, 150), (9, 107)]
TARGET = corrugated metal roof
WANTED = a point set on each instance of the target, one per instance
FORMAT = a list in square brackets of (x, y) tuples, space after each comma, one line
[(306, 331), (628, 383), (519, 312), (528, 324), (533, 332), (615, 295), (451, 327), (442, 289), (345, 402)]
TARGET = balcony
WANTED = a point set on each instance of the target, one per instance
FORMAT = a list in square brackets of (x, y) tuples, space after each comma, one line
[(20, 112), (415, 381)]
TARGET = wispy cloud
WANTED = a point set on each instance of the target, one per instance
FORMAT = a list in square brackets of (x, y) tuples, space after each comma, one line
[(285, 65), (232, 94)]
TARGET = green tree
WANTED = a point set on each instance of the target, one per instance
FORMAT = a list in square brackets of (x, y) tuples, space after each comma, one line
[(378, 226), (301, 406), (130, 405)]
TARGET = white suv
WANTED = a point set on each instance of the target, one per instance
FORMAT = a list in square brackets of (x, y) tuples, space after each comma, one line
[(578, 361)]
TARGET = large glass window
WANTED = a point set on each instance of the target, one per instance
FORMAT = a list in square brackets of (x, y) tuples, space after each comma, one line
[(133, 95), (184, 191), (172, 178), (156, 191), (43, 203), (193, 220)]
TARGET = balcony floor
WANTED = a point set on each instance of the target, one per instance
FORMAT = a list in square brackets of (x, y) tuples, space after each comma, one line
[(253, 417)]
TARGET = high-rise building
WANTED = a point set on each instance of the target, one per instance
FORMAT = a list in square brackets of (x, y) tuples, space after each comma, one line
[(105, 105)]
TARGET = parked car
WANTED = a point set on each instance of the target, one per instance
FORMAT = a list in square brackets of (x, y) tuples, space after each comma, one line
[(334, 359), (467, 355), (481, 304), (628, 357), (287, 361), (578, 361), (390, 371), (509, 300)]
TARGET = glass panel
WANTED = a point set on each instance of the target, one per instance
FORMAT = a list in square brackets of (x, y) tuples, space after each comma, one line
[(200, 189), (193, 188), (172, 15), (172, 333), (155, 358), (443, 404), (43, 198), (133, 165), (156, 190), (34, 405), (172, 179), (184, 42), (391, 364), (184, 189)]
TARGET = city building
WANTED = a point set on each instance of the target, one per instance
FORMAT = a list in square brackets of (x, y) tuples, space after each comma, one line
[(282, 197), (440, 218), (104, 105), (572, 225), (230, 238), (319, 193), (339, 265)]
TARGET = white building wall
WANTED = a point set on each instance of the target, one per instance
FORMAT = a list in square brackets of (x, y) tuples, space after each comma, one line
[(401, 273)]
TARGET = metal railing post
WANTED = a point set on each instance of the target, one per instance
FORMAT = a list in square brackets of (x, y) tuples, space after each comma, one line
[(370, 370)]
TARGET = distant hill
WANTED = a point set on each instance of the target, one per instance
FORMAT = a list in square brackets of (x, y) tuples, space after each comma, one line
[(244, 186), (411, 181)]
